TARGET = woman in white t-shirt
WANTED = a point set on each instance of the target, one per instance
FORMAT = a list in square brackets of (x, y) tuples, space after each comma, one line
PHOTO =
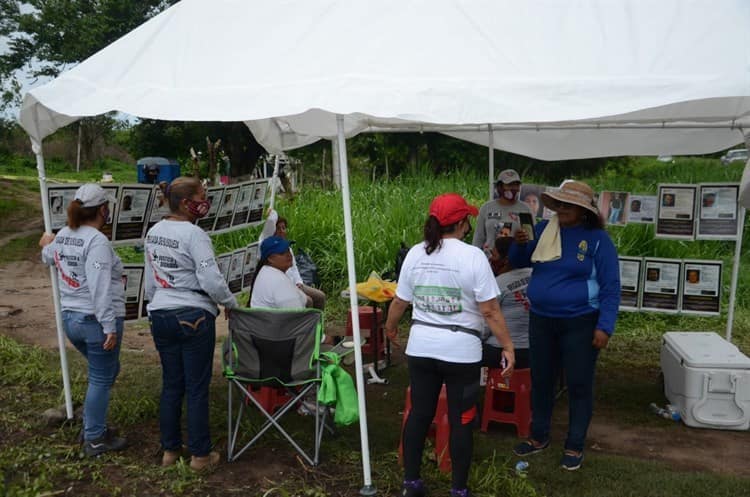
[(453, 292), (271, 287)]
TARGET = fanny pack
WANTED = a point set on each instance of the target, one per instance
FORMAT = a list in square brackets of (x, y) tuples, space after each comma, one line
[(452, 327)]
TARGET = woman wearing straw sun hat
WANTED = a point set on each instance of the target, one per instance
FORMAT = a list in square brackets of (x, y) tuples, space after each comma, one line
[(574, 293)]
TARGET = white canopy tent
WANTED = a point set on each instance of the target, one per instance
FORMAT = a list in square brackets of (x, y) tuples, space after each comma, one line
[(554, 79)]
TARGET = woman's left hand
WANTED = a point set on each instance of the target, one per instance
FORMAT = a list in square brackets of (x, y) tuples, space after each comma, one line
[(110, 342), (600, 339), (509, 357)]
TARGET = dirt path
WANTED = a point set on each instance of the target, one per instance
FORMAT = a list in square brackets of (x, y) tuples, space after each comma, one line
[(25, 292)]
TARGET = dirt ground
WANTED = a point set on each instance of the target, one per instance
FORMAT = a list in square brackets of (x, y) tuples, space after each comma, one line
[(26, 314)]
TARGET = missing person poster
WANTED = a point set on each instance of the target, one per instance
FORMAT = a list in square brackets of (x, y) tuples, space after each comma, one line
[(718, 211), (701, 287), (252, 256), (531, 195), (257, 202), (675, 216), (226, 210), (630, 282), (132, 280), (242, 209), (642, 209), (214, 195), (159, 208), (222, 262), (614, 207), (113, 207), (236, 265), (60, 198), (134, 203), (527, 223), (661, 285)]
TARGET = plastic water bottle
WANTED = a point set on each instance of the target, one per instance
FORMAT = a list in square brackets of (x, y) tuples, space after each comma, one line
[(503, 365), (664, 413), (521, 468), (674, 412)]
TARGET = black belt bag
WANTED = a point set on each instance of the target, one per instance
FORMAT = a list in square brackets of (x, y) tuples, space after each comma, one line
[(451, 327)]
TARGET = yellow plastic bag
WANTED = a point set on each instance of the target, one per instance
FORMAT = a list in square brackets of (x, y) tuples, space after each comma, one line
[(376, 288)]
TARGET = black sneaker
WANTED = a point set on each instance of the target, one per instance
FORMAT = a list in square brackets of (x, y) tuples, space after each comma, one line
[(106, 443), (112, 430)]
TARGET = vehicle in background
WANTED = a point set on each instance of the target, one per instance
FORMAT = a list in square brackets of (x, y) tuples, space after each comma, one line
[(734, 155), (665, 158)]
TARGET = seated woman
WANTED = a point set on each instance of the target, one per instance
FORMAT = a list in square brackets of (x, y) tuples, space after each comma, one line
[(271, 287), (514, 304)]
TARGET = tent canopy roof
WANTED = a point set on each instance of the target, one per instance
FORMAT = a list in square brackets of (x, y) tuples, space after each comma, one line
[(556, 79)]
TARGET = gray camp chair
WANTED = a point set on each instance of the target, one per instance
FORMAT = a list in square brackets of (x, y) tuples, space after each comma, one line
[(275, 348)]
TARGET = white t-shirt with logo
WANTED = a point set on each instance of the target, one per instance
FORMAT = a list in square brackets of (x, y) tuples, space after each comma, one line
[(445, 288), (90, 274), (275, 290)]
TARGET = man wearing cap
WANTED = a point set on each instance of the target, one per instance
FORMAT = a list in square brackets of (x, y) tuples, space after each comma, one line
[(272, 287), (501, 212)]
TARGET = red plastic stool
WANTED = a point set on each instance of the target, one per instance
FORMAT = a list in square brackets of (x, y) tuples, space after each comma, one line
[(440, 430), (509, 403), (365, 323), (271, 398)]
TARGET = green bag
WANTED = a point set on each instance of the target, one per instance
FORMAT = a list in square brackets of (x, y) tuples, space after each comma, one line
[(337, 387)]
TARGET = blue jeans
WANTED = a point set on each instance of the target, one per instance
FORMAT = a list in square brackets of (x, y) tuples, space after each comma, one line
[(87, 335), (185, 339), (565, 342)]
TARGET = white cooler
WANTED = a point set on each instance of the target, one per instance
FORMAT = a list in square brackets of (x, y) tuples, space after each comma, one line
[(707, 379)]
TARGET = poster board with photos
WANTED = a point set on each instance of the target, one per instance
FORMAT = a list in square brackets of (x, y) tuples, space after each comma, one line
[(59, 198), (660, 289), (133, 212), (718, 211), (614, 207), (630, 282), (214, 195), (226, 210), (132, 279), (642, 209), (236, 266), (701, 287), (222, 262), (252, 256), (242, 208), (675, 216), (531, 195), (258, 201), (159, 208)]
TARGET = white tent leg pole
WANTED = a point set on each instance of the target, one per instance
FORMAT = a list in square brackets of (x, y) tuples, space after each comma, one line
[(274, 177), (368, 488), (491, 145), (37, 147), (735, 272)]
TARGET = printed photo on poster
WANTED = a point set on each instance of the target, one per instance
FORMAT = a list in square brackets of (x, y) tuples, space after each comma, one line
[(132, 280), (134, 203), (60, 198), (701, 287), (675, 217), (661, 285), (226, 210), (159, 208), (258, 201), (531, 195), (252, 256), (630, 282), (222, 262), (718, 211), (242, 209), (108, 227), (214, 195), (614, 207), (236, 266), (642, 209)]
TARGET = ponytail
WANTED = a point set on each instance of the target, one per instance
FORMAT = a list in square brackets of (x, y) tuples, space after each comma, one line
[(433, 234), (78, 215)]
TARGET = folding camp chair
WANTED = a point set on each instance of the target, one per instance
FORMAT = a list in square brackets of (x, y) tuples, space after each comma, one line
[(278, 348)]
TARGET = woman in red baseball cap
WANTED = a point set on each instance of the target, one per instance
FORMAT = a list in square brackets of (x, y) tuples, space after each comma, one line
[(453, 292)]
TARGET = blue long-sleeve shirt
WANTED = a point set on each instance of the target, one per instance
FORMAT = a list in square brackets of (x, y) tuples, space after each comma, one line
[(585, 279)]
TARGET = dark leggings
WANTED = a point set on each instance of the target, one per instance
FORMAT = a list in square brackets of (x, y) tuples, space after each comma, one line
[(426, 377)]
